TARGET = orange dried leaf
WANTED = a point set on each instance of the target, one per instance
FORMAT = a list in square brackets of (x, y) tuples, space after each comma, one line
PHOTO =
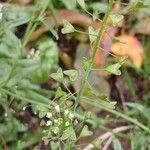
[(131, 47)]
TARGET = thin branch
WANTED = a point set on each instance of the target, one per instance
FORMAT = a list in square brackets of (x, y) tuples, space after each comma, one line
[(107, 135), (98, 39), (106, 146)]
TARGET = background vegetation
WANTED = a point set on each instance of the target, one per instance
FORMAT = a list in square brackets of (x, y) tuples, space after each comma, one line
[(74, 74)]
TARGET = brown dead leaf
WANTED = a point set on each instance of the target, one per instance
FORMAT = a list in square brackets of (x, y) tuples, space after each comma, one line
[(132, 48)]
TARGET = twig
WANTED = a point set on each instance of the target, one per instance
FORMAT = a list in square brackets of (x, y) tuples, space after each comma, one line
[(106, 146), (106, 135)]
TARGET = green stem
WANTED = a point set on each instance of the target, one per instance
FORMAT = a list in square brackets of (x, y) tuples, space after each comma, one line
[(23, 98), (98, 39), (132, 120), (92, 15), (82, 32), (33, 24)]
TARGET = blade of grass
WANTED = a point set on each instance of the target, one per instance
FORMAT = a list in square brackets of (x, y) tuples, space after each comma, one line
[(119, 114), (25, 99), (130, 84)]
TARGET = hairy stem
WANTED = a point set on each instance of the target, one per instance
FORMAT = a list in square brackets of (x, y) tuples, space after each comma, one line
[(128, 118), (98, 39), (33, 24)]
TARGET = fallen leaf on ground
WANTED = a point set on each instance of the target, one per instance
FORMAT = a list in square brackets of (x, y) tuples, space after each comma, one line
[(131, 47)]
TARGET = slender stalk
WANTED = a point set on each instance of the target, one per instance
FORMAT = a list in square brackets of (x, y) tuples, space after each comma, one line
[(128, 118), (98, 39), (33, 23), (109, 135), (82, 32), (24, 99)]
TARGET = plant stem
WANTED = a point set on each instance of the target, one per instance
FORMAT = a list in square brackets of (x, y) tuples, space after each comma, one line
[(33, 24), (24, 99), (82, 32), (98, 39), (128, 118)]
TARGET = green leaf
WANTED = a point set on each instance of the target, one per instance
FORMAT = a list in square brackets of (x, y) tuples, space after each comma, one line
[(16, 16), (92, 34), (123, 59), (5, 70), (138, 6), (97, 144), (19, 72), (128, 79), (51, 29), (72, 74), (103, 97), (108, 104), (68, 28), (95, 15), (145, 111), (116, 144), (48, 59), (116, 40), (88, 92), (114, 69), (86, 63), (98, 6), (42, 111), (58, 76), (85, 132), (82, 4), (116, 19), (69, 133), (70, 4), (60, 93), (10, 45)]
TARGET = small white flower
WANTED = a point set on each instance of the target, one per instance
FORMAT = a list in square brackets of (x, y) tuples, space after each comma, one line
[(66, 112), (28, 56), (55, 130), (48, 123), (71, 116), (1, 6), (49, 115), (76, 122), (57, 108), (55, 120), (1, 15), (5, 115), (60, 121), (24, 108), (32, 51), (37, 53), (35, 112), (67, 124)]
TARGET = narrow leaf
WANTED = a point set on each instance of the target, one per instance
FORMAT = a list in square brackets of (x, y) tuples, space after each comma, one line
[(116, 144), (138, 6), (114, 69)]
